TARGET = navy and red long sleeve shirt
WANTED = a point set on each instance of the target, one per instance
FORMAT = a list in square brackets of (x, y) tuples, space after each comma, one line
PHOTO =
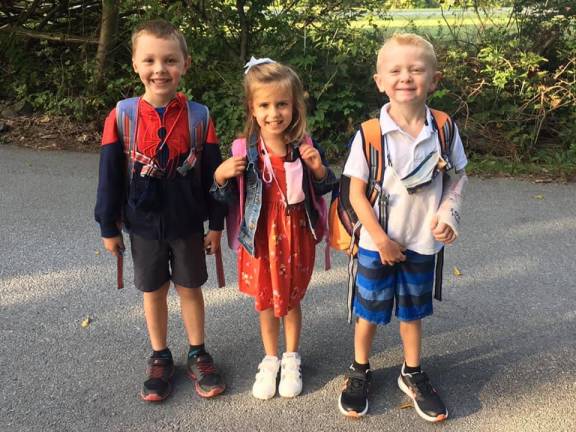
[(183, 202)]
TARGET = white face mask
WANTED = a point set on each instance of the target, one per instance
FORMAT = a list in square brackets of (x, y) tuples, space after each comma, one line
[(424, 173), (294, 177)]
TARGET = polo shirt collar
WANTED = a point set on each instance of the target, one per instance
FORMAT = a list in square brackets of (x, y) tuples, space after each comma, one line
[(388, 125)]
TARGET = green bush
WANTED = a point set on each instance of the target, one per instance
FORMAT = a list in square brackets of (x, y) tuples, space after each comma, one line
[(511, 88)]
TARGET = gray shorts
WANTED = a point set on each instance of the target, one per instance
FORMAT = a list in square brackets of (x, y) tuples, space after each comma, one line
[(158, 261)]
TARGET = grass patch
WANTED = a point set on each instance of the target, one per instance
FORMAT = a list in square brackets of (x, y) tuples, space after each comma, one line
[(491, 166)]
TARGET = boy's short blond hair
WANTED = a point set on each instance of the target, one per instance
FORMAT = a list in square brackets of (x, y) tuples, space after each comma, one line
[(408, 39), (161, 29)]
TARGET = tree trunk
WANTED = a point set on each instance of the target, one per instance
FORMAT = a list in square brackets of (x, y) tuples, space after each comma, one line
[(244, 30), (108, 28)]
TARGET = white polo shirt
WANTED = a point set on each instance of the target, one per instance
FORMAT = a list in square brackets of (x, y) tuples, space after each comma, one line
[(409, 215)]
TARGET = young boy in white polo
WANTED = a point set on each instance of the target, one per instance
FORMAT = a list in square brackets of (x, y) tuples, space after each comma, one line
[(401, 236)]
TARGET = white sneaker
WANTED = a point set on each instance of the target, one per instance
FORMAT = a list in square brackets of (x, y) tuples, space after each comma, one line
[(290, 377), (265, 385)]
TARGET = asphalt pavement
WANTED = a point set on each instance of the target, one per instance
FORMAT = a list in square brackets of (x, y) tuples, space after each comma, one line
[(500, 348)]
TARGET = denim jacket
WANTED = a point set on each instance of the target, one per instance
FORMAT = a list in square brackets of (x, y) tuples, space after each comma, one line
[(229, 194)]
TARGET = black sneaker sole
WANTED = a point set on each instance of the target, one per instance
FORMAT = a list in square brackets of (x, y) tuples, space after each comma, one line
[(405, 389), (351, 414)]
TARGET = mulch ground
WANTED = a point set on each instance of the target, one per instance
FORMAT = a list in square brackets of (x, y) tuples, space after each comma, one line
[(45, 132)]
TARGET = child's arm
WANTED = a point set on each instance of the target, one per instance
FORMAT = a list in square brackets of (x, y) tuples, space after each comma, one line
[(230, 168), (210, 161), (324, 177), (224, 188), (390, 251), (445, 223), (111, 187)]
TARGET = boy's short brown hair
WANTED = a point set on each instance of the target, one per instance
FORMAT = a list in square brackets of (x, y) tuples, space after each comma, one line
[(161, 29), (409, 39)]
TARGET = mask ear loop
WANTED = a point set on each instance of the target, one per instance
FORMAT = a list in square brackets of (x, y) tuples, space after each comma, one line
[(267, 172)]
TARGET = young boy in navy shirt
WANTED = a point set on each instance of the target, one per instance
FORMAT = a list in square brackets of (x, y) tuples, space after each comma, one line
[(162, 209)]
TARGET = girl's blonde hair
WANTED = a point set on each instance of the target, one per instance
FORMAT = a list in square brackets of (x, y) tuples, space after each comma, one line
[(409, 39), (276, 73)]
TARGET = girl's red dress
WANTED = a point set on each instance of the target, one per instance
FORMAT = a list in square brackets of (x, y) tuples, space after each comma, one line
[(278, 276)]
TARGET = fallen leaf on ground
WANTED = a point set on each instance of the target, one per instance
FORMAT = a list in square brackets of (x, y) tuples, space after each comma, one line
[(405, 405), (86, 322), (538, 197), (97, 252), (456, 271)]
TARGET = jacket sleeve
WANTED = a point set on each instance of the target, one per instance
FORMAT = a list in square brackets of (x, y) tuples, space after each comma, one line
[(210, 160), (325, 185), (110, 195), (227, 194)]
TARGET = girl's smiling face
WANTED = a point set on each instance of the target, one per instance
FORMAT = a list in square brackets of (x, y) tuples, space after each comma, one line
[(272, 107)]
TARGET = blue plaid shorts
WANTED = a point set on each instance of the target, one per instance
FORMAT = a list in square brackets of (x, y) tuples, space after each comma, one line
[(408, 284)]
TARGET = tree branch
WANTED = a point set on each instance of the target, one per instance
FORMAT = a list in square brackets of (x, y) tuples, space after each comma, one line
[(56, 37)]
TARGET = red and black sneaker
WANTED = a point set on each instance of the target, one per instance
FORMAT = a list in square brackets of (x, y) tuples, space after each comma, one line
[(425, 398), (208, 382), (158, 385)]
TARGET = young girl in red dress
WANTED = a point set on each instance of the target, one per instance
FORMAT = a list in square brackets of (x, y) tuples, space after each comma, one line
[(281, 181)]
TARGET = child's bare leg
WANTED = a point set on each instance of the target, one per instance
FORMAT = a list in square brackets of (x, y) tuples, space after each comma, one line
[(364, 332), (411, 334), (269, 329), (156, 313), (292, 328), (192, 310)]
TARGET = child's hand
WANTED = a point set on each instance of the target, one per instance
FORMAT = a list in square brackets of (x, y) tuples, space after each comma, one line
[(391, 252), (312, 159), (212, 242), (230, 168), (114, 245), (442, 232)]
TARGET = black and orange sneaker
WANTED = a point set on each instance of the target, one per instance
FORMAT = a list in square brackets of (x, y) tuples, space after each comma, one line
[(207, 381), (158, 385), (425, 398), (353, 401)]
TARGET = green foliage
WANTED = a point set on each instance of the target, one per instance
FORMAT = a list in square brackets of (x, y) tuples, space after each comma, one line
[(511, 87)]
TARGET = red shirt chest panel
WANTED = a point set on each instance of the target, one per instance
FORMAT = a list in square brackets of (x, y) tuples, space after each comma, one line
[(176, 129)]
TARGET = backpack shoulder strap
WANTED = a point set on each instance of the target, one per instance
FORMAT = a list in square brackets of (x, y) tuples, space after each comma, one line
[(126, 125), (198, 118), (444, 124), (372, 144), (239, 147)]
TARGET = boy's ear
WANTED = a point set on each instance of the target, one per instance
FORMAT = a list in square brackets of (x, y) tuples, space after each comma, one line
[(435, 80), (134, 65), (187, 64), (379, 83)]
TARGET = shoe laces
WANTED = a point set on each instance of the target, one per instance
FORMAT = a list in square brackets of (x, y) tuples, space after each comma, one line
[(422, 384), (356, 385), (157, 369), (206, 366)]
